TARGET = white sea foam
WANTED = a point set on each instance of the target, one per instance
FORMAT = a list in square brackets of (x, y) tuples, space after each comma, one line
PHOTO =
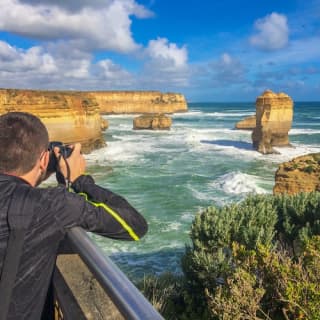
[(205, 135), (238, 183), (122, 150), (231, 114), (198, 113), (287, 153), (191, 113), (303, 131), (200, 195), (188, 216), (173, 226), (121, 127), (119, 116)]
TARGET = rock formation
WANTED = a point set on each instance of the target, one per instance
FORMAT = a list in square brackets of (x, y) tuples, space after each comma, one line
[(152, 122), (69, 116), (248, 123), (274, 113), (301, 174), (139, 102), (72, 116)]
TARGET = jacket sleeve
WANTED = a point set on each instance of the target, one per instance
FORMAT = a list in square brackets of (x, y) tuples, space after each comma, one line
[(107, 213)]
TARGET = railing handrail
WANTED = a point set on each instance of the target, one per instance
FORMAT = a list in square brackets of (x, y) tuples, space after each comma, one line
[(126, 297)]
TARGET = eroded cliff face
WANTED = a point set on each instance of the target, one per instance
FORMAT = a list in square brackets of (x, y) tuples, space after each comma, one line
[(76, 116), (302, 174), (69, 116), (139, 102), (274, 113)]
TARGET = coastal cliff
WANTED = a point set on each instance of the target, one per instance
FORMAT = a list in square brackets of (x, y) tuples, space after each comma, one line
[(69, 116), (301, 174), (274, 113), (118, 102)]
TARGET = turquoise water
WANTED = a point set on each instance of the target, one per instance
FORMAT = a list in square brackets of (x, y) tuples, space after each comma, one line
[(170, 175)]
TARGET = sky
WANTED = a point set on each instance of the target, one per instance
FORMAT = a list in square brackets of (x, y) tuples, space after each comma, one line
[(208, 50)]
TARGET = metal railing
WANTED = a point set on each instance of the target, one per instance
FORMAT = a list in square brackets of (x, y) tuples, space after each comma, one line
[(125, 296)]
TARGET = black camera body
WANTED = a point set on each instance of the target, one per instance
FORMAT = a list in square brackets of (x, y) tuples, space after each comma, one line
[(64, 150)]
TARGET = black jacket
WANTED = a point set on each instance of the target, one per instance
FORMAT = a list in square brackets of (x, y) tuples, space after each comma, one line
[(55, 211)]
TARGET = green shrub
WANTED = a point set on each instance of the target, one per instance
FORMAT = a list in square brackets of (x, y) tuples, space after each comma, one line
[(298, 219), (309, 169), (275, 223), (209, 261), (268, 284)]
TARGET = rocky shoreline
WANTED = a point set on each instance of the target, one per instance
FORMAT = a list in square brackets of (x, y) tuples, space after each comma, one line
[(301, 174)]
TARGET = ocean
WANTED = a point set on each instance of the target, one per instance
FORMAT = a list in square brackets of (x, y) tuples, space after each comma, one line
[(169, 176)]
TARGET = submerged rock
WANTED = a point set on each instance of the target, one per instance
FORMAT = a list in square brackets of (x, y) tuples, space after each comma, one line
[(274, 113), (152, 122), (301, 174)]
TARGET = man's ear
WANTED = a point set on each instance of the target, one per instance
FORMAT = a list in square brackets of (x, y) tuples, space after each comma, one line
[(44, 161)]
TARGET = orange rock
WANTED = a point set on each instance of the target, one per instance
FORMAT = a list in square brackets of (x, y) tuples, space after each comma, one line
[(139, 102), (152, 122), (301, 174), (248, 123), (274, 113), (69, 116), (72, 116)]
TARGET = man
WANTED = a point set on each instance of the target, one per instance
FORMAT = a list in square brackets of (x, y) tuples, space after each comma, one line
[(24, 158)]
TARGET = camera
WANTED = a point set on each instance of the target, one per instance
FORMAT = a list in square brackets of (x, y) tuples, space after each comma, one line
[(64, 150)]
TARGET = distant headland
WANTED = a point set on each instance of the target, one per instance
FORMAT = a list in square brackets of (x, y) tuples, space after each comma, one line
[(75, 116)]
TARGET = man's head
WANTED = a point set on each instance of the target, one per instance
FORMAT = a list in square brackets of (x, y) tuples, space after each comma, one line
[(23, 138)]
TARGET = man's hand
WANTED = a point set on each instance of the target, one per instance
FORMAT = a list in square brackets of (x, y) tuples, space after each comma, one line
[(76, 162)]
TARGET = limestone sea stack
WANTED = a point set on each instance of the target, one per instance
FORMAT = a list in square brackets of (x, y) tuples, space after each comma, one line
[(69, 116), (248, 123), (302, 174), (118, 102), (274, 113), (152, 122)]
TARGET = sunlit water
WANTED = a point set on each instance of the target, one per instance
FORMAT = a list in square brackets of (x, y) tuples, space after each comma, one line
[(169, 176)]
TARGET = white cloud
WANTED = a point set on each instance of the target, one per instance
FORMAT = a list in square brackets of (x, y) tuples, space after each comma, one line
[(79, 69), (34, 59), (166, 66), (37, 68), (108, 70), (167, 54), (7, 52), (273, 32), (106, 26), (77, 5)]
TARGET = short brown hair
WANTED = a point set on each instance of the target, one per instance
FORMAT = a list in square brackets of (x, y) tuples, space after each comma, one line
[(22, 139)]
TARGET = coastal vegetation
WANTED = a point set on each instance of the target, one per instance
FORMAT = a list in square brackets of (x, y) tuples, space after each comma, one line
[(256, 259)]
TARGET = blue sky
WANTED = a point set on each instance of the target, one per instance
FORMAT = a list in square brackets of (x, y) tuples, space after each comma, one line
[(208, 50)]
